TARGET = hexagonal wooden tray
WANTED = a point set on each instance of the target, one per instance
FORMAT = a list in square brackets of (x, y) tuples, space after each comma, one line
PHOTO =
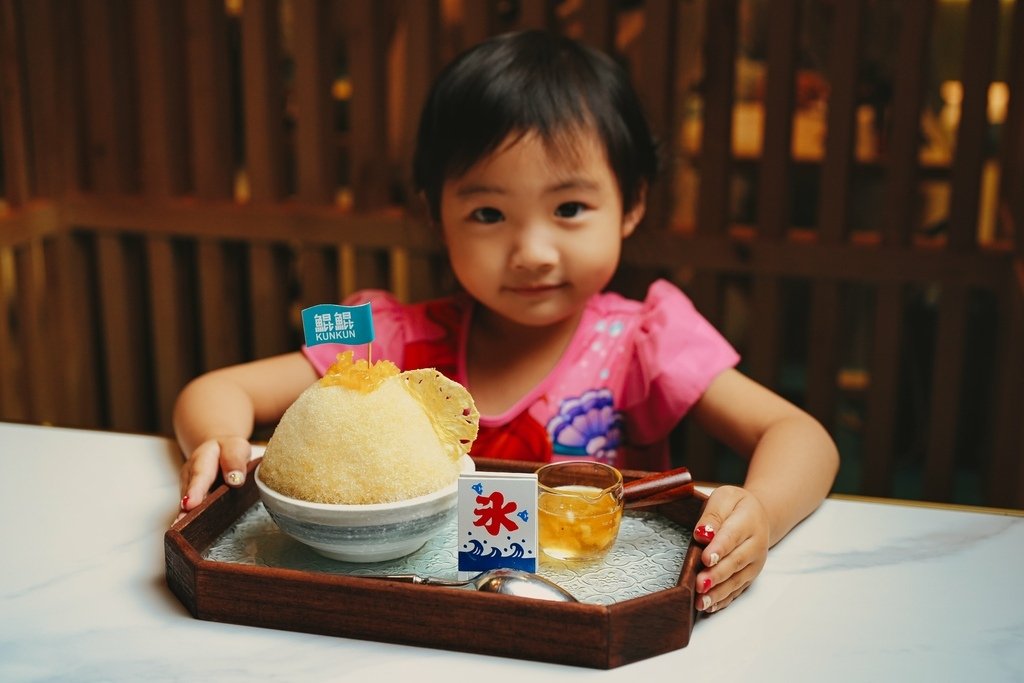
[(580, 634)]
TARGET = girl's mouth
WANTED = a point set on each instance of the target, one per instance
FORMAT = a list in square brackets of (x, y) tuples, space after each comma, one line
[(534, 290)]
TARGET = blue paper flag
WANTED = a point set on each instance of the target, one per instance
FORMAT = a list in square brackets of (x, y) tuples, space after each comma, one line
[(335, 324)]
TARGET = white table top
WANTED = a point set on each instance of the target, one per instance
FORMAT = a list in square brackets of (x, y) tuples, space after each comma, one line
[(861, 590)]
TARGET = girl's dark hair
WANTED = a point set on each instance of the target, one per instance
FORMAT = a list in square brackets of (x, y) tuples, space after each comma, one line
[(531, 82)]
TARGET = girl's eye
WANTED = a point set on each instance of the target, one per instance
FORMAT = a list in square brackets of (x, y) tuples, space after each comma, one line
[(569, 210), (487, 215)]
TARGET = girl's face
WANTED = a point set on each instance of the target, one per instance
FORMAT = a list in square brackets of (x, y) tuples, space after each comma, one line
[(531, 235)]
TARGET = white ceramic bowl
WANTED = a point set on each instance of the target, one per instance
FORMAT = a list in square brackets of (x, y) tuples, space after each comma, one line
[(363, 533)]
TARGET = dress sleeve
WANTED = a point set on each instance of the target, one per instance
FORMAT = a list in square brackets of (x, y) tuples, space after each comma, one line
[(677, 355), (388, 328)]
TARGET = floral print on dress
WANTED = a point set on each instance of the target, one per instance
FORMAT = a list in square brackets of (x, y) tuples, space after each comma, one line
[(587, 426)]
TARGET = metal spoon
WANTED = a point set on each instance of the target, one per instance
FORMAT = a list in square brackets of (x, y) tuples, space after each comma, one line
[(505, 581)]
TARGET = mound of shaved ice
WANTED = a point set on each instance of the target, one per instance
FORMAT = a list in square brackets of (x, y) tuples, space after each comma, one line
[(362, 435)]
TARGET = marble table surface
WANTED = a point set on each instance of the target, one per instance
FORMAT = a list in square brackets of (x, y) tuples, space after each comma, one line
[(862, 590)]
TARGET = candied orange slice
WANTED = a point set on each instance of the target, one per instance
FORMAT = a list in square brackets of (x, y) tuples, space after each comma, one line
[(448, 405), (359, 375)]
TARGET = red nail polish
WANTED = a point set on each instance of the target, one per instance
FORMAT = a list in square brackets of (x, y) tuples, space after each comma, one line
[(705, 586), (704, 533), (184, 502)]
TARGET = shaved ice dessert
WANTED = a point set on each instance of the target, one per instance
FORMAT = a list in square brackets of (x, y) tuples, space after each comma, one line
[(366, 433)]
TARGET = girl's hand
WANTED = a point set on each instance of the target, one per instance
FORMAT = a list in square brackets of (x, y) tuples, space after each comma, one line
[(228, 454), (735, 528)]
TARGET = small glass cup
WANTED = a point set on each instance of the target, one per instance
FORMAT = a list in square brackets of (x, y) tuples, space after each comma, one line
[(579, 508)]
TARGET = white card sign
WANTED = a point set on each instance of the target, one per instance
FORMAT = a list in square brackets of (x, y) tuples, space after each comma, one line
[(497, 522)]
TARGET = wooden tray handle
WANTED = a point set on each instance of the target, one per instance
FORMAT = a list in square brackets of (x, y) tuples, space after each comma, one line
[(657, 488)]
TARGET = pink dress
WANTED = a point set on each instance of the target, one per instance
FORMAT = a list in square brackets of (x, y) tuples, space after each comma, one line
[(631, 372)]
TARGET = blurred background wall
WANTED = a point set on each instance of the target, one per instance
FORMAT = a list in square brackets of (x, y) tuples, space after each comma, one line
[(843, 195)]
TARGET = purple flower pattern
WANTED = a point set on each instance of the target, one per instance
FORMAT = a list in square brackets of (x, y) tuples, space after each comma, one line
[(587, 425)]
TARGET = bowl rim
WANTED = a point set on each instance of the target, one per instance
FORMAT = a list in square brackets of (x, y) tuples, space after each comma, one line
[(466, 465)]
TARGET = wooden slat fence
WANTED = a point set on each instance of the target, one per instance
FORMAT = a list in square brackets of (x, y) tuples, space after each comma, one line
[(180, 178)]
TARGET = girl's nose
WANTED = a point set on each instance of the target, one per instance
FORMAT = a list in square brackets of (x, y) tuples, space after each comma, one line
[(534, 249)]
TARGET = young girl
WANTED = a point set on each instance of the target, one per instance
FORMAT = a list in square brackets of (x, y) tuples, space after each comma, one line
[(534, 159)]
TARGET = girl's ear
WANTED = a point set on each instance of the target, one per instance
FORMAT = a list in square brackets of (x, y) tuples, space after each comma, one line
[(632, 218), (426, 215)]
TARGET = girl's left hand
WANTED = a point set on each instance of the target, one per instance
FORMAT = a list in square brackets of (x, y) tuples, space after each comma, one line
[(735, 528)]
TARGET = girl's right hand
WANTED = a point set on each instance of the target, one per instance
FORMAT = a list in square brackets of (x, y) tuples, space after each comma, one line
[(227, 454)]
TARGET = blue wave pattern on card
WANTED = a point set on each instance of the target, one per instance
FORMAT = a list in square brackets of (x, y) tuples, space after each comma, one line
[(470, 561), (477, 555)]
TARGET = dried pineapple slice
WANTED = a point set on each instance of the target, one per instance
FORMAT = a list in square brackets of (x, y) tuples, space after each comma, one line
[(448, 405)]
